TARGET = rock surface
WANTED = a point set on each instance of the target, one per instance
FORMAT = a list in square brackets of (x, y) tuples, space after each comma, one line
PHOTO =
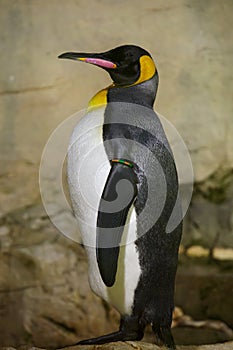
[(187, 39), (45, 295), (135, 345), (46, 299)]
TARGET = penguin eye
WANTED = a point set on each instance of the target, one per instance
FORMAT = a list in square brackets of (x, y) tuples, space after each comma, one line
[(129, 59), (128, 56)]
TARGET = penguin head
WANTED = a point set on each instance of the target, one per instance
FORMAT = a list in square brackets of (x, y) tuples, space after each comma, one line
[(127, 64)]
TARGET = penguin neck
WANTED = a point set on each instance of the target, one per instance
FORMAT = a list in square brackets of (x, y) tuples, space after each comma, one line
[(143, 94)]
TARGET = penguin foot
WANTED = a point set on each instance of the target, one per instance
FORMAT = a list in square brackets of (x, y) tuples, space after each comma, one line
[(164, 336), (108, 338), (129, 330)]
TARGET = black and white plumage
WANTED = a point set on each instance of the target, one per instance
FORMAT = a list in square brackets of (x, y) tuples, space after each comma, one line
[(133, 198)]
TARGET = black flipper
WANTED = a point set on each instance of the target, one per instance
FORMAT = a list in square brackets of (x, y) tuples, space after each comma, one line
[(118, 195)]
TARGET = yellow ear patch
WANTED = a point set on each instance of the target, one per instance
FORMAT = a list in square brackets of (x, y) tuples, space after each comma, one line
[(147, 69)]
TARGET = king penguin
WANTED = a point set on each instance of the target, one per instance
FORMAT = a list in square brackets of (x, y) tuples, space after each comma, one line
[(126, 215)]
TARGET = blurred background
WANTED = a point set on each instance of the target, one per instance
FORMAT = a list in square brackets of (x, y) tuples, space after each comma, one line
[(45, 298)]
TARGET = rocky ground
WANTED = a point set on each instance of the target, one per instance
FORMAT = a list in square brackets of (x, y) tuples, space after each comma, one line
[(46, 299), (135, 346)]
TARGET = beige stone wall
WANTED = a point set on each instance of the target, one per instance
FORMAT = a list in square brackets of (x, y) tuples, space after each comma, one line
[(191, 42)]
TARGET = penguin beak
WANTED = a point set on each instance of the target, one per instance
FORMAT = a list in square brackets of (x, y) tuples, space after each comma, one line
[(95, 59)]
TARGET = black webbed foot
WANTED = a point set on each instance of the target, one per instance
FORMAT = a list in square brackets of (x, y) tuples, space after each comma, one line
[(130, 329)]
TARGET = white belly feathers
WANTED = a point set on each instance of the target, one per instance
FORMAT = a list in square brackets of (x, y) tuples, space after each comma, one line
[(88, 169)]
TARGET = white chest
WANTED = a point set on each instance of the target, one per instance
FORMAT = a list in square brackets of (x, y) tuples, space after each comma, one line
[(88, 169)]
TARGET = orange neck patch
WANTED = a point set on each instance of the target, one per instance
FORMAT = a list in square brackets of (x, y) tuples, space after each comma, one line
[(99, 99)]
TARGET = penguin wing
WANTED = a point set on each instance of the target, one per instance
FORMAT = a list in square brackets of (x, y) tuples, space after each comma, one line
[(118, 195)]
